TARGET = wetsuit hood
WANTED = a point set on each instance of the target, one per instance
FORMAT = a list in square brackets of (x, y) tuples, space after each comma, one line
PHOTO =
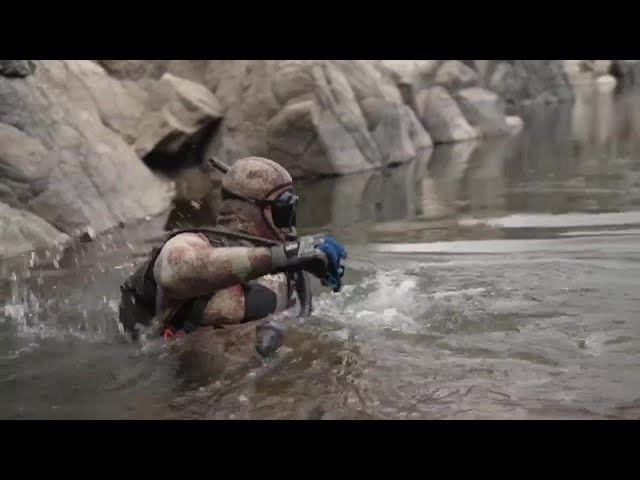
[(253, 178)]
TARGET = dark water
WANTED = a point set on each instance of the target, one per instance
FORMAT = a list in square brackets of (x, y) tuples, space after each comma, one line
[(487, 280)]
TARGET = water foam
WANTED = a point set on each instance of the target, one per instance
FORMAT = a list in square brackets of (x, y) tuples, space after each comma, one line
[(382, 301)]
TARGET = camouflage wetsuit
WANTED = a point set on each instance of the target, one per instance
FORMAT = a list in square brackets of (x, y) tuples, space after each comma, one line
[(230, 286)]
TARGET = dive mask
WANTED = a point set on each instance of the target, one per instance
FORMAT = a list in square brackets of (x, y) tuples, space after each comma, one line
[(283, 208)]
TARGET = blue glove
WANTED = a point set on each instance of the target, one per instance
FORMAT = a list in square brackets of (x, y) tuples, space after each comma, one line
[(335, 254), (320, 255)]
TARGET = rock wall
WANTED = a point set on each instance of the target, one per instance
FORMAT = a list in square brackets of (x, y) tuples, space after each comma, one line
[(61, 163)]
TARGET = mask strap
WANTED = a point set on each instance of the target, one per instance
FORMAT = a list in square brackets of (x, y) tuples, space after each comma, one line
[(279, 187)]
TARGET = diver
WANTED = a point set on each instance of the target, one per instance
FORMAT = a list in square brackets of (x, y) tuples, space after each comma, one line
[(202, 282)]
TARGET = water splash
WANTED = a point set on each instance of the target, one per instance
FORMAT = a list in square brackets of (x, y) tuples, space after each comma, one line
[(382, 301)]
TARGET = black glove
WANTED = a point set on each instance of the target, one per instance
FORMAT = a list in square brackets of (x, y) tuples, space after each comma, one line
[(320, 255)]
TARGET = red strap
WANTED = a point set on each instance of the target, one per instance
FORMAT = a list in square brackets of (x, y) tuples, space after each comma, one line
[(170, 333)]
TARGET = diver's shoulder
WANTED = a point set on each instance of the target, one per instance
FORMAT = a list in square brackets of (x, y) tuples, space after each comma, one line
[(186, 239)]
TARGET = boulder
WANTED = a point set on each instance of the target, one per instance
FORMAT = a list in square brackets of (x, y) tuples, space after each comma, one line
[(194, 70), (410, 76), (483, 110), (418, 135), (167, 116), (187, 113), (120, 104), (22, 231), (606, 83), (503, 80), (25, 167), (597, 67), (454, 75), (442, 117), (392, 137), (16, 68), (135, 69), (313, 117), (626, 71), (96, 180), (537, 81), (515, 124)]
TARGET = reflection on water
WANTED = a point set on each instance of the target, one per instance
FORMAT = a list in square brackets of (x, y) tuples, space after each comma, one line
[(536, 320), (569, 158)]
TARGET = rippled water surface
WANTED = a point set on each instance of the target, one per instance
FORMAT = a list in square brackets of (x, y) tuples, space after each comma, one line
[(486, 280)]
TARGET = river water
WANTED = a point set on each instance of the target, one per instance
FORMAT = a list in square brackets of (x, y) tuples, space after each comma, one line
[(485, 280)]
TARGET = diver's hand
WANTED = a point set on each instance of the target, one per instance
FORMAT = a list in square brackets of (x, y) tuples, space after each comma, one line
[(335, 254), (320, 255)]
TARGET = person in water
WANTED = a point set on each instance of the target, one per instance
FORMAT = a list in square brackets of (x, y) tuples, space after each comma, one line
[(203, 284)]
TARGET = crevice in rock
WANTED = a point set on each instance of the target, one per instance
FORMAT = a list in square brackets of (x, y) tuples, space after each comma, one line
[(190, 154)]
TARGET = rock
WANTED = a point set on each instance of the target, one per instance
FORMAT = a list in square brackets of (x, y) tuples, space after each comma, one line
[(538, 81), (120, 104), (454, 75), (293, 82), (292, 130), (25, 167), (401, 72), (597, 67), (602, 67), (366, 81), (22, 231), (626, 71), (515, 124), (16, 68), (88, 235), (442, 117), (584, 72), (194, 70), (135, 69), (410, 76), (503, 80), (483, 110), (167, 116), (392, 137), (606, 83), (181, 121), (96, 180), (314, 117), (419, 136), (482, 67), (341, 127)]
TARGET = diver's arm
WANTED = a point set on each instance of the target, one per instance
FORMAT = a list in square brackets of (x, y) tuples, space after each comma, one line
[(188, 266)]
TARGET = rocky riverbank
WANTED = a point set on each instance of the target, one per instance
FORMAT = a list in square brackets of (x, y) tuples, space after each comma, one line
[(86, 146)]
